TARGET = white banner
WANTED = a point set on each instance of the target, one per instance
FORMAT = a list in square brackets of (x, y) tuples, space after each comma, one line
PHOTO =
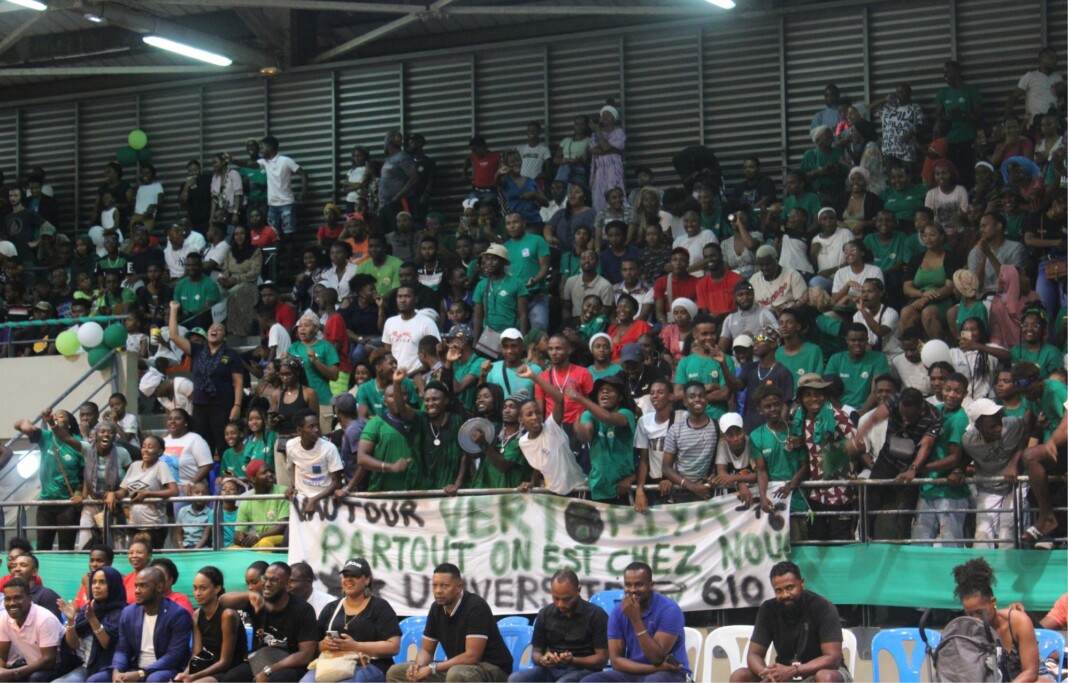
[(705, 555)]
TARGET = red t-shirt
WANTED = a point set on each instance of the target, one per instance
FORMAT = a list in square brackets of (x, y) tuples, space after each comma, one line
[(337, 334), (484, 170), (717, 297), (577, 376), (325, 233), (285, 315), (182, 600), (264, 237), (681, 287)]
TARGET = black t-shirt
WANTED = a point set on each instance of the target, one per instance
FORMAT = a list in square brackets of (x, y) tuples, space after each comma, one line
[(813, 622), (754, 377), (288, 628), (220, 385), (376, 622), (764, 188), (139, 262), (472, 618), (198, 200), (584, 632), (155, 306)]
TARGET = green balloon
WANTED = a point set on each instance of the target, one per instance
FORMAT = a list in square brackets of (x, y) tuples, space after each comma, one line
[(144, 155), (137, 138), (67, 343), (127, 156), (96, 353), (115, 336)]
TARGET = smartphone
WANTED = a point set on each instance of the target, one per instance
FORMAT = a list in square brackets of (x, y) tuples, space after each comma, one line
[(332, 635)]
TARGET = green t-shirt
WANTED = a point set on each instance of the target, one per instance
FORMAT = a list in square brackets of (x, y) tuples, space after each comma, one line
[(611, 455), (857, 375), (829, 335), (953, 426), (612, 369), (1015, 225), (569, 265), (262, 514), (262, 449), (460, 370), (968, 101), (53, 485), (196, 296), (808, 201), (808, 359), (594, 325), (1048, 358), (234, 462), (489, 477), (369, 395), (434, 466), (976, 310), (387, 276), (257, 184), (903, 204), (1051, 404), (390, 446), (1019, 411), (706, 371), (781, 464), (886, 256), (524, 254), (507, 379), (814, 159), (500, 302), (326, 354)]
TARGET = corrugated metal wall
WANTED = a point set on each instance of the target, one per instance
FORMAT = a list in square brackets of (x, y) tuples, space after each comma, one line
[(742, 86)]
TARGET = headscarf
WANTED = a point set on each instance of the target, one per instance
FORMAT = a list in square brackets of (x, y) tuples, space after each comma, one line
[(827, 209), (1024, 163), (817, 131), (313, 319), (598, 336), (966, 283), (858, 170), (1007, 307), (109, 613), (689, 305), (954, 176), (611, 110), (242, 252)]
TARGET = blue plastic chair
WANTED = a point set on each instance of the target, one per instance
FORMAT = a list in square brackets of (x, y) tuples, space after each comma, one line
[(413, 636), (606, 600), (513, 621), (1050, 642), (892, 641), (517, 637), (412, 622)]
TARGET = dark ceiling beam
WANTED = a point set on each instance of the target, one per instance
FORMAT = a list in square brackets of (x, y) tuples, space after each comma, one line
[(383, 30), (322, 5), (54, 71), (262, 27), (16, 35), (574, 10)]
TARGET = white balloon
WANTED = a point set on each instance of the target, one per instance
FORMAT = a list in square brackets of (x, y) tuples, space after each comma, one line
[(934, 351), (90, 335)]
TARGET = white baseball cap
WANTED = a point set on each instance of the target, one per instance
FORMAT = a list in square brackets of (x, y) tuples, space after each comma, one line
[(512, 333), (981, 407), (743, 340), (730, 420)]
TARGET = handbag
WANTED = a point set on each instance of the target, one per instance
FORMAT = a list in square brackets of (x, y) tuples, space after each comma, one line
[(330, 668), (489, 342), (900, 451), (266, 656), (201, 661)]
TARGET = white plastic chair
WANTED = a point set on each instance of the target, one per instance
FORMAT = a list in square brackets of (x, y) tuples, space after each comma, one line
[(693, 648), (849, 642), (727, 638)]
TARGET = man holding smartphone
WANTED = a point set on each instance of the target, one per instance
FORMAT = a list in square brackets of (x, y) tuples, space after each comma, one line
[(646, 637)]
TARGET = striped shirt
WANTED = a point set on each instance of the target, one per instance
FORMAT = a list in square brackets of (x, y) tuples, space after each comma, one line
[(694, 448)]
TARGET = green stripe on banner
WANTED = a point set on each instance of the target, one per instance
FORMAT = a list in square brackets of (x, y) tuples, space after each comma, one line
[(914, 576), (878, 574)]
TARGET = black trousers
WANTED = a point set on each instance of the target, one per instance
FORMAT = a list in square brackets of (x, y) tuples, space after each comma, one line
[(243, 672), (881, 498), (209, 420), (66, 516)]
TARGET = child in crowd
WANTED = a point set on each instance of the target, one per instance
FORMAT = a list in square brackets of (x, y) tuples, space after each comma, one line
[(235, 457), (136, 339), (229, 487), (129, 428), (261, 441), (194, 520)]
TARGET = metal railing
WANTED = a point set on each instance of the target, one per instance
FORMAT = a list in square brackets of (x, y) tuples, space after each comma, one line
[(113, 530)]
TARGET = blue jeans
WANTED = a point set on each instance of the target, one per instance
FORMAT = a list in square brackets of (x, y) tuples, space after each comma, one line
[(538, 312), (945, 524), (613, 676), (160, 675), (363, 674), (283, 218), (543, 674), (1052, 296)]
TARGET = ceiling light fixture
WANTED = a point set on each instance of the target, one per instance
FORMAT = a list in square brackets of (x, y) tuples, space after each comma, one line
[(187, 50), (93, 18), (30, 4), (723, 4)]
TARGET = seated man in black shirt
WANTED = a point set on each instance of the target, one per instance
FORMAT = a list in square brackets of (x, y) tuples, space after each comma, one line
[(285, 629), (805, 630), (464, 625), (570, 636)]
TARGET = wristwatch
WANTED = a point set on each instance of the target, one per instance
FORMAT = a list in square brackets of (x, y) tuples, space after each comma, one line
[(267, 671), (433, 668), (141, 674)]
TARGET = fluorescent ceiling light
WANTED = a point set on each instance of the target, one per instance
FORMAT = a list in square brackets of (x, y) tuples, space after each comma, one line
[(187, 50), (30, 4), (93, 18), (725, 4)]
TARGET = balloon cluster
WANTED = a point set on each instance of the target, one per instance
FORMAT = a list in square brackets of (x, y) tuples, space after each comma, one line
[(95, 340), (136, 151)]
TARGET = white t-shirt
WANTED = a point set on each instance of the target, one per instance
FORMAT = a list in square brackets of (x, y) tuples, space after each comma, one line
[(330, 278), (725, 456), (533, 159), (312, 468), (355, 175), (403, 336), (846, 277), (550, 454), (876, 437), (147, 657), (884, 316), (911, 374), (1038, 88), (175, 258), (183, 396), (830, 253), (278, 337), (129, 424), (785, 290), (185, 455), (216, 253), (695, 245), (279, 170), (794, 255), (650, 435), (146, 196)]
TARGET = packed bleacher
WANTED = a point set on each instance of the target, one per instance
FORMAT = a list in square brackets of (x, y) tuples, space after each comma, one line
[(895, 313)]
